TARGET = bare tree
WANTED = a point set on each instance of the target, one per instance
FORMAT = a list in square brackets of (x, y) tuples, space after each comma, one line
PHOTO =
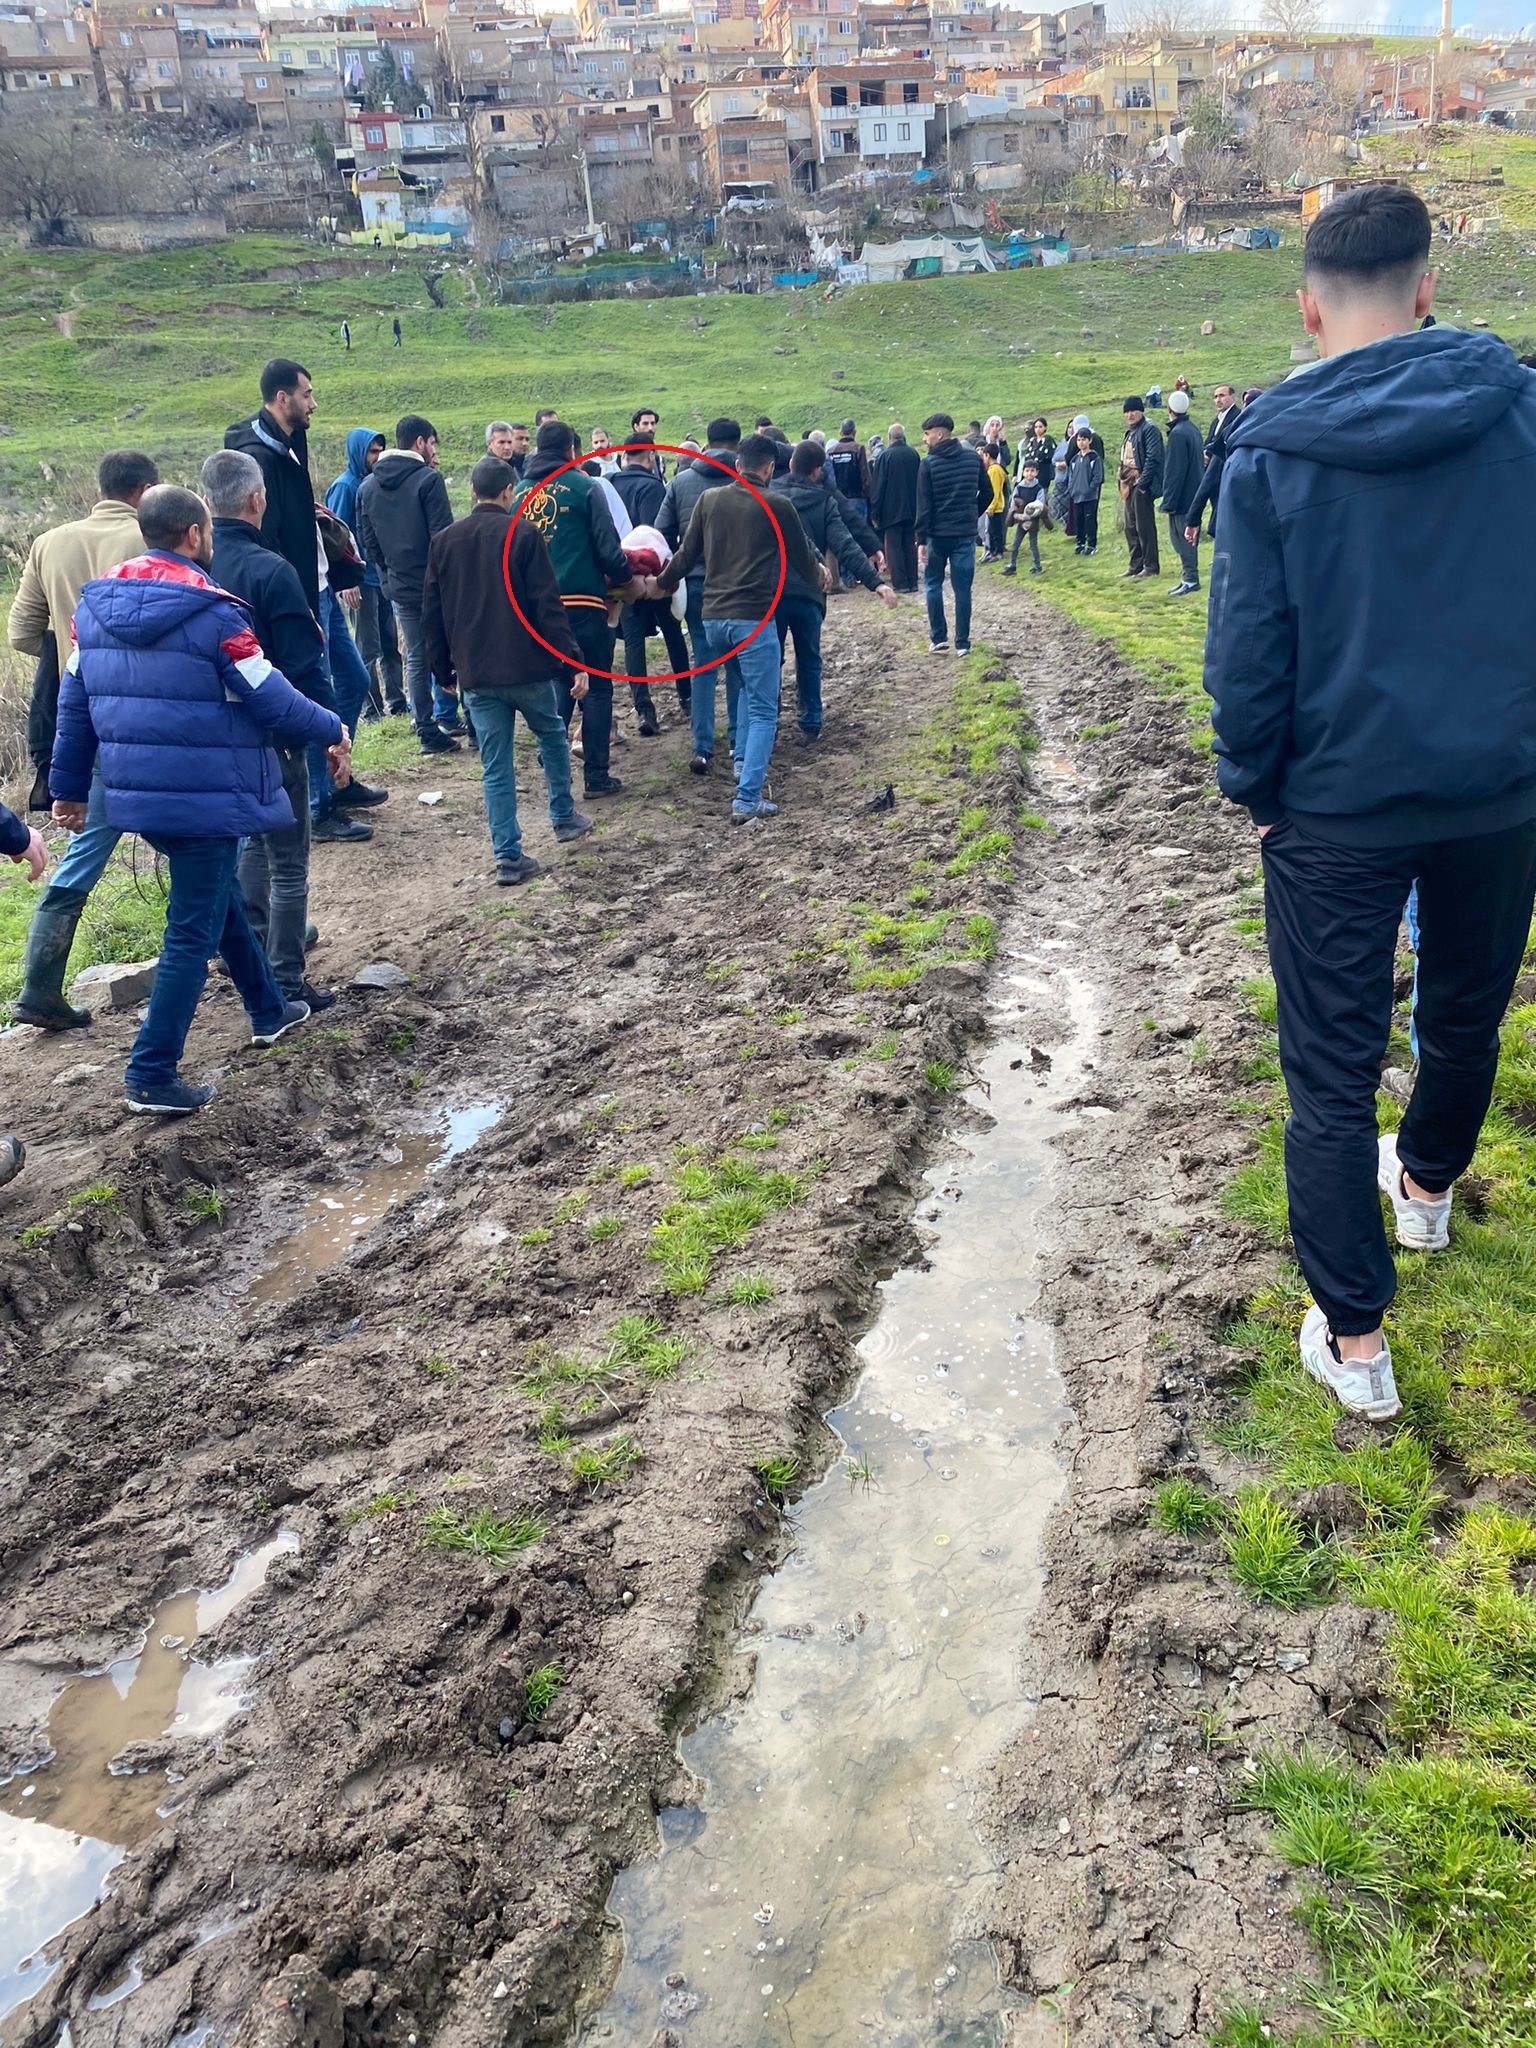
[(1292, 19), (48, 173)]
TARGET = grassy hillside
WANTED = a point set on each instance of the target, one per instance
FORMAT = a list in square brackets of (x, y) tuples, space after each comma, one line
[(163, 350)]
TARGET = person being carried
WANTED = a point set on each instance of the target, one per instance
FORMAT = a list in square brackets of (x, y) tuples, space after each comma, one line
[(642, 491), (168, 684), (480, 637), (803, 606), (734, 535), (1368, 657), (1027, 513)]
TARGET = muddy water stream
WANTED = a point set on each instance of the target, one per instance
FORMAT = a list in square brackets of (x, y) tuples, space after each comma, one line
[(341, 1215), (65, 1827), (823, 1889)]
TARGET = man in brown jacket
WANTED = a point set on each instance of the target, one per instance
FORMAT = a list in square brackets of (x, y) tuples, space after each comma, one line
[(477, 636), (59, 565)]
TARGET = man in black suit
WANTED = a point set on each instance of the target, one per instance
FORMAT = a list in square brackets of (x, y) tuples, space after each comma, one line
[(1228, 413)]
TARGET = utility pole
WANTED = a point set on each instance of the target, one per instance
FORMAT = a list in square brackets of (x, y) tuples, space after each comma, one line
[(1447, 28), (586, 186)]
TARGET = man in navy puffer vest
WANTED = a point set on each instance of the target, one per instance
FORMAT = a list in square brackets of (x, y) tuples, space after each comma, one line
[(169, 685)]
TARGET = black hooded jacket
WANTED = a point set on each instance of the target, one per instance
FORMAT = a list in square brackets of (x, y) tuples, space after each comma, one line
[(825, 528), (399, 508), (288, 527)]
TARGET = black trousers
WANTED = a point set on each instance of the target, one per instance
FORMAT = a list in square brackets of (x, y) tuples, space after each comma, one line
[(901, 555), (997, 532), (653, 615), (1087, 523), (594, 636), (1333, 914), (1141, 531)]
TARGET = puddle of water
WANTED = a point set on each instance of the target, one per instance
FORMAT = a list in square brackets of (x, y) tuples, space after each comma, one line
[(825, 1888), (65, 1827), (341, 1215)]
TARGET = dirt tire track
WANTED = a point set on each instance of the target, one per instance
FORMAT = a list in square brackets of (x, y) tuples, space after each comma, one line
[(364, 1858), (1136, 1894)]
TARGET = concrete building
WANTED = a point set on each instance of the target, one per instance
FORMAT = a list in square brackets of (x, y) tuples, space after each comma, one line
[(44, 63), (874, 115)]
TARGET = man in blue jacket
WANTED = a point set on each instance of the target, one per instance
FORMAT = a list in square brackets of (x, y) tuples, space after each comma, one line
[(1369, 655), (169, 685), (377, 641)]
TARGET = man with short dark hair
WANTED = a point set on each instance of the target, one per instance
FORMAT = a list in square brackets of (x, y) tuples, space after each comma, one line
[(1141, 479), (1228, 413), (58, 566), (544, 414), (894, 511), (277, 440), (1374, 700), (273, 871), (953, 490), (732, 534), (803, 606), (478, 636), (716, 467), (568, 510), (169, 688), (399, 508), (848, 467)]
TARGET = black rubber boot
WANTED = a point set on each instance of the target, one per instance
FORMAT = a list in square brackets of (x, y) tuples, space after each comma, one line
[(41, 1001)]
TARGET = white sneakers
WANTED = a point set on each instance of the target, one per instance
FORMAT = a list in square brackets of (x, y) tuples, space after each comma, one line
[(1364, 1386), (1422, 1226)]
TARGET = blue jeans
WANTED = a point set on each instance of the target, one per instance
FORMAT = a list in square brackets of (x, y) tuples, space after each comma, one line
[(702, 709), (495, 715), (85, 858), (206, 914), (960, 558), (800, 618), (350, 684), (758, 705)]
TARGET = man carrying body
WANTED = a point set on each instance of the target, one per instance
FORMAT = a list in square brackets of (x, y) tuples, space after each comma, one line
[(168, 685), (894, 511), (734, 538), (1141, 479), (723, 437), (400, 507), (59, 564), (475, 635), (568, 510), (274, 868), (1369, 658), (952, 493), (803, 605), (1228, 413)]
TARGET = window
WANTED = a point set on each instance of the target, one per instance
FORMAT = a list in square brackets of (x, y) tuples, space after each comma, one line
[(261, 85), (879, 131), (909, 92), (732, 104), (839, 95), (124, 38), (904, 131), (374, 138), (845, 28), (21, 80), (163, 70), (1162, 90), (871, 95)]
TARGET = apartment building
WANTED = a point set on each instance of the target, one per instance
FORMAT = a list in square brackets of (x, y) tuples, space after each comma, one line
[(812, 31), (44, 63), (873, 115), (596, 18)]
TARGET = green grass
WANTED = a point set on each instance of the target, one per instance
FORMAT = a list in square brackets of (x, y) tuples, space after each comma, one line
[(597, 1465), (380, 1508), (636, 1176), (941, 1076), (601, 1228), (776, 1475), (717, 1207), (124, 916), (530, 1240), (637, 1347), (541, 1689), (483, 1534), (203, 1205), (1184, 1509), (751, 1290)]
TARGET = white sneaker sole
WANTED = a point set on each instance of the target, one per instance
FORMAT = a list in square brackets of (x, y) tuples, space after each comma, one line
[(1317, 1362), (1415, 1232)]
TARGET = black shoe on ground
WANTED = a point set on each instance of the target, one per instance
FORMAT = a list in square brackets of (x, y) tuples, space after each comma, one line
[(170, 1098), (649, 728), (807, 739), (573, 827), (1037, 568), (13, 1157), (699, 765), (1012, 569), (510, 872), (609, 786), (294, 1014), (317, 998), (56, 1015), (435, 741), (685, 696), (359, 796), (337, 825), (454, 727)]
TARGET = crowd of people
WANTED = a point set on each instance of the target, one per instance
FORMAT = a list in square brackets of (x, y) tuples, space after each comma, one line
[(204, 659)]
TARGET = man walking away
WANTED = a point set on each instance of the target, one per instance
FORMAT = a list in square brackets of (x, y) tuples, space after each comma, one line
[(475, 635), (570, 514), (346, 337), (1141, 478), (692, 480), (803, 606), (894, 512), (1228, 413), (1182, 465), (377, 645), (734, 537), (1369, 658), (168, 683), (58, 566), (952, 492), (395, 331), (848, 467), (273, 871), (641, 492), (399, 508)]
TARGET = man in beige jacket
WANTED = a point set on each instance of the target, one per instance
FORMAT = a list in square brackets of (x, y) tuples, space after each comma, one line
[(59, 564)]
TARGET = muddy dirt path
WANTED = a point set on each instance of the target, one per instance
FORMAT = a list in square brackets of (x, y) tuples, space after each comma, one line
[(446, 1188)]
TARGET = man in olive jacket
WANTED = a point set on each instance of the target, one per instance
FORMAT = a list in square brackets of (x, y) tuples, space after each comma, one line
[(478, 636)]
